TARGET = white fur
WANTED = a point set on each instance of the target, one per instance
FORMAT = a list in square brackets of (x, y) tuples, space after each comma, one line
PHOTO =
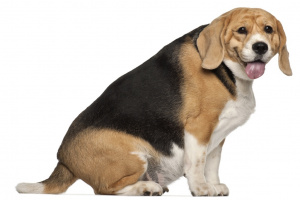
[(212, 166), (194, 166), (34, 188), (237, 69), (248, 55), (140, 187), (172, 166), (222, 189), (143, 156), (212, 171), (235, 113), (193, 153)]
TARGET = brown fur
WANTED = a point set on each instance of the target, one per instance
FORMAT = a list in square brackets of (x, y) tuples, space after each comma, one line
[(204, 96), (59, 180), (211, 43), (104, 159), (283, 58)]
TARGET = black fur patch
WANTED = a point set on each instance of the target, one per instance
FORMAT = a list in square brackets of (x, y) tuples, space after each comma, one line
[(146, 102), (226, 76), (195, 34)]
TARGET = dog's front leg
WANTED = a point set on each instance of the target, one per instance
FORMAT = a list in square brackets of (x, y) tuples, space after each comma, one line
[(212, 170), (197, 134)]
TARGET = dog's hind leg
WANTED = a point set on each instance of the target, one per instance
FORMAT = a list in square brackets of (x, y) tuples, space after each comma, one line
[(111, 162)]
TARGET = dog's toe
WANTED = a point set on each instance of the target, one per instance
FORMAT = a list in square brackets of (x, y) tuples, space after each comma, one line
[(222, 189)]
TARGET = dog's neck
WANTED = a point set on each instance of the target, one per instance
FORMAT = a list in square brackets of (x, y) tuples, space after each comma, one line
[(244, 87), (243, 82), (226, 76), (237, 69)]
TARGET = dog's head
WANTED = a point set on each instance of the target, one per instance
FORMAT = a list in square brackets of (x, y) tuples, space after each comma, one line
[(246, 38)]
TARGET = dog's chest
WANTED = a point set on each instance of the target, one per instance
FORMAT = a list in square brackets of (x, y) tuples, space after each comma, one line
[(235, 113)]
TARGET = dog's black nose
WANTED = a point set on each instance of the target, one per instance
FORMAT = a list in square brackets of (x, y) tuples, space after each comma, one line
[(260, 48)]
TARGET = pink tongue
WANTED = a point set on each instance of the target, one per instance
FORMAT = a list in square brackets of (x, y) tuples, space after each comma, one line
[(255, 69)]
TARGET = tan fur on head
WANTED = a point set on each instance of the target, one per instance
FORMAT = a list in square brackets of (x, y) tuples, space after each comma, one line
[(221, 39)]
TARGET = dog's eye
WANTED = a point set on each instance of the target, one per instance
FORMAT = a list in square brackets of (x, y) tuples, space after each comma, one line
[(242, 30), (268, 29)]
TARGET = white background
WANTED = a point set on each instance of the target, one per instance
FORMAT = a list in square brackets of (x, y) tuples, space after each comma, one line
[(57, 57)]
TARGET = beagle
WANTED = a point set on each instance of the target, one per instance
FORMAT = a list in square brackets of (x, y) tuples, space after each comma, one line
[(170, 116)]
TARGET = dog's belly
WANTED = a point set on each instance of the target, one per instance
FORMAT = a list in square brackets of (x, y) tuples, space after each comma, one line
[(167, 169)]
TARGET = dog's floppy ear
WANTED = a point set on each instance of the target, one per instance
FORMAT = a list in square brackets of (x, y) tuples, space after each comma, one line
[(210, 43), (283, 58)]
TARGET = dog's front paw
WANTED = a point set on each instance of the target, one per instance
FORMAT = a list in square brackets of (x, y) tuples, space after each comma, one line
[(204, 189), (222, 189)]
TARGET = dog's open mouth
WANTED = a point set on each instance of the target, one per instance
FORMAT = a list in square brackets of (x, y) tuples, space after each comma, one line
[(255, 69)]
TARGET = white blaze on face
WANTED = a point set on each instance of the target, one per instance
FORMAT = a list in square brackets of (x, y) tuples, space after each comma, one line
[(255, 63), (248, 55)]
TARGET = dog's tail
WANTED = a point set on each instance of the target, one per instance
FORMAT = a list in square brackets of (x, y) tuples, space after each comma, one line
[(58, 182)]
